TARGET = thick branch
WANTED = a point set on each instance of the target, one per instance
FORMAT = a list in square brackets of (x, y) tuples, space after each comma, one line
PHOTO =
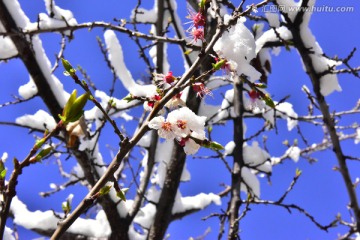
[(235, 201), (327, 118), (48, 97)]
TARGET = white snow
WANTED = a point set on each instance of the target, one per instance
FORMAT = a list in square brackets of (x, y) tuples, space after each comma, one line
[(328, 83), (37, 121), (273, 19), (7, 47), (162, 156), (60, 18), (4, 156), (144, 15), (229, 148), (23, 22), (185, 175), (271, 36), (98, 227), (257, 158), (237, 45), (145, 217), (250, 182), (28, 90), (8, 234), (357, 138), (153, 194), (294, 153), (199, 201), (123, 207), (116, 58), (286, 111), (288, 7)]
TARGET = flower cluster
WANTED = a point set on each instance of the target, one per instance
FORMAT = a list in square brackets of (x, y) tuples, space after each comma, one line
[(198, 21), (164, 81), (183, 125)]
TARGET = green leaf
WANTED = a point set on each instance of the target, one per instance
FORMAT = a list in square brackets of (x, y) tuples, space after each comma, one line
[(218, 65), (260, 85), (68, 105), (202, 4), (105, 190), (39, 143), (187, 52), (43, 153), (121, 194), (268, 101), (3, 174), (298, 172), (69, 70), (76, 110), (129, 98), (212, 145)]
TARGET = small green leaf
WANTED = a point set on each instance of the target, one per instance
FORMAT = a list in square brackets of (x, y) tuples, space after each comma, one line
[(202, 4), (187, 52), (2, 166), (212, 145), (268, 101), (105, 190), (69, 70), (121, 194), (260, 85), (76, 110), (217, 66), (39, 143), (129, 98), (298, 172), (68, 106), (43, 153), (3, 174)]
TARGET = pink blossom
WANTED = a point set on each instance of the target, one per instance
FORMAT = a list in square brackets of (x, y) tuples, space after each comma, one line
[(197, 18), (254, 95), (152, 101), (169, 78), (201, 90), (164, 80), (197, 33)]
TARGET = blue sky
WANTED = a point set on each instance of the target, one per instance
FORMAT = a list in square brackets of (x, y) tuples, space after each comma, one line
[(320, 190)]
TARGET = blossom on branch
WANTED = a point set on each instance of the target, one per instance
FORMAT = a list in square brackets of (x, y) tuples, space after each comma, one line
[(182, 124), (165, 128), (201, 90), (197, 18), (197, 33)]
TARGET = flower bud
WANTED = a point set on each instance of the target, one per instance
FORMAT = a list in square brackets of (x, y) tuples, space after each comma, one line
[(69, 70)]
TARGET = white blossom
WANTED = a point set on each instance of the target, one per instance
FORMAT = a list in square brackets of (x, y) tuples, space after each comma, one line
[(186, 121), (165, 128)]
